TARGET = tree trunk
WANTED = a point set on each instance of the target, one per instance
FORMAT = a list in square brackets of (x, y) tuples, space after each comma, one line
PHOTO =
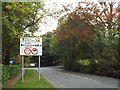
[(7, 58), (92, 61)]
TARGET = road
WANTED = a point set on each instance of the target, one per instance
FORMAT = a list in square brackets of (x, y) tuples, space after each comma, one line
[(60, 78)]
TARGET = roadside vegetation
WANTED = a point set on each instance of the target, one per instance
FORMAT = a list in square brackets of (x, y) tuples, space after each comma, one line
[(86, 39), (9, 72), (18, 18), (31, 81)]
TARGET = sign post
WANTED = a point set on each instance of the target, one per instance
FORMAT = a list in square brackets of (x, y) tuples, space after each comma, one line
[(22, 68), (30, 46), (39, 68)]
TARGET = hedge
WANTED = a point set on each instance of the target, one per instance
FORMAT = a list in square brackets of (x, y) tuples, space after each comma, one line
[(5, 75), (9, 72), (101, 67), (13, 70)]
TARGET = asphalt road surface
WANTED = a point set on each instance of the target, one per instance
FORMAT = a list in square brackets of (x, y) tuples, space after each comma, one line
[(60, 78)]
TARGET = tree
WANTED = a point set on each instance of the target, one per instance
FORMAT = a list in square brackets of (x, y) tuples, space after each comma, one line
[(90, 32), (75, 34), (17, 18), (47, 57)]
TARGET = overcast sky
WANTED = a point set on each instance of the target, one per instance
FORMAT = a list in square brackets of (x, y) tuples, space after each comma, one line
[(51, 22)]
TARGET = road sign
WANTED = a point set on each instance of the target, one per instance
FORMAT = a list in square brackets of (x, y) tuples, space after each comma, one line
[(34, 51), (27, 51), (31, 46)]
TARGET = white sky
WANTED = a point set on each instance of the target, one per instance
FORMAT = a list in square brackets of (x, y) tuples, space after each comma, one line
[(51, 22)]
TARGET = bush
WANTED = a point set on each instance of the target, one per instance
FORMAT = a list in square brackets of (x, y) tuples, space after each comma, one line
[(5, 75), (85, 62), (9, 72), (0, 75), (101, 67), (13, 70), (108, 67), (75, 67)]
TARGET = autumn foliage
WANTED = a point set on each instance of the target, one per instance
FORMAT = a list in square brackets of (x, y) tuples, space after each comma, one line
[(89, 32)]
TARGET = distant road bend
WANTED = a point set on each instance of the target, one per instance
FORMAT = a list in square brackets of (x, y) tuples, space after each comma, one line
[(60, 78)]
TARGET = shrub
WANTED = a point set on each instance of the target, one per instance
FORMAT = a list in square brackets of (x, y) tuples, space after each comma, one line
[(75, 67), (108, 67), (13, 70), (5, 75), (101, 67), (85, 62), (0, 75), (9, 72)]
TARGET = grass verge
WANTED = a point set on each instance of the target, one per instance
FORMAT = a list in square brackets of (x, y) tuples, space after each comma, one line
[(31, 81)]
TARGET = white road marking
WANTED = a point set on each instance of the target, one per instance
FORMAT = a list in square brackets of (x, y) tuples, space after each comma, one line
[(85, 78), (73, 75), (77, 76)]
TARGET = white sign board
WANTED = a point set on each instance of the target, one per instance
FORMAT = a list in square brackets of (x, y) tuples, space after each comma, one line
[(31, 46)]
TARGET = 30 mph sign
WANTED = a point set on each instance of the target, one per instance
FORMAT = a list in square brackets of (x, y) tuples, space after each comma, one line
[(31, 46)]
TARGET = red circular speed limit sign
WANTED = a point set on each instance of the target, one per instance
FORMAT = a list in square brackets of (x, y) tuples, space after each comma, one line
[(34, 51), (27, 51)]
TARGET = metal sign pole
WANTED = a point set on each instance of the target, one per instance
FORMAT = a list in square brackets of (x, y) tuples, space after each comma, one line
[(22, 68), (39, 68)]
